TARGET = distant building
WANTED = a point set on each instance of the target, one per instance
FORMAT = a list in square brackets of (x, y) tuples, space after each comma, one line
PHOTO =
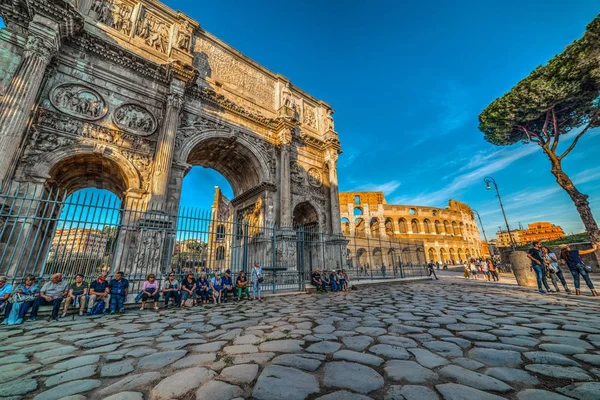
[(537, 231), (447, 235), (90, 242)]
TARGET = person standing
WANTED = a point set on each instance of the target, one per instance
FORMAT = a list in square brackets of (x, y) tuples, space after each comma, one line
[(53, 293), (551, 263), (118, 288), (493, 271), (431, 270), (473, 269), (573, 260), (537, 264), (256, 280)]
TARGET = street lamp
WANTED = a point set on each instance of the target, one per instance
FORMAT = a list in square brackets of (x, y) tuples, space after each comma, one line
[(484, 236), (487, 181)]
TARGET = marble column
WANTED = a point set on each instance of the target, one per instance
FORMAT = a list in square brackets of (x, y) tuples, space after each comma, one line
[(285, 188), (331, 159), (19, 98), (163, 156)]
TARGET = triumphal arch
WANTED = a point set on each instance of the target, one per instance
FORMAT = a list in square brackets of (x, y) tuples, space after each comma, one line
[(128, 95)]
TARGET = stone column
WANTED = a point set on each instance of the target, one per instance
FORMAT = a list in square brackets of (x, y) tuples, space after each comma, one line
[(19, 98), (331, 159), (163, 157), (285, 188)]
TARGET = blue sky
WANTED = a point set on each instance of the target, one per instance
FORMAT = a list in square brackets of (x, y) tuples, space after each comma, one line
[(407, 81)]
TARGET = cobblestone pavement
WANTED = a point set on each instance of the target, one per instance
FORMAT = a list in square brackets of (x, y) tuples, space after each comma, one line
[(447, 339)]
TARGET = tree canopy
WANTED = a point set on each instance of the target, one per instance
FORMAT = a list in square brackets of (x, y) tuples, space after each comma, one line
[(553, 100)]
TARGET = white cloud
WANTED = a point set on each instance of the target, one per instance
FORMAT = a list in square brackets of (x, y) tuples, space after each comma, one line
[(387, 188)]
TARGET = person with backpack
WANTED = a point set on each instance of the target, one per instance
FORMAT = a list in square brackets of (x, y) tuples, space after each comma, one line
[(150, 291), (98, 292), (256, 280), (118, 289), (22, 298), (576, 266)]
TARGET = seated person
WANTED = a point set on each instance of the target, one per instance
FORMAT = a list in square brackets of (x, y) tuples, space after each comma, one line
[(98, 291), (241, 284), (216, 287), (25, 294), (188, 287), (150, 291), (5, 291), (170, 290), (326, 280), (316, 280), (77, 293), (203, 288), (52, 293), (227, 283), (118, 288), (343, 279), (334, 281)]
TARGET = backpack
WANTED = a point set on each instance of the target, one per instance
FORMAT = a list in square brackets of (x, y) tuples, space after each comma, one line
[(99, 308)]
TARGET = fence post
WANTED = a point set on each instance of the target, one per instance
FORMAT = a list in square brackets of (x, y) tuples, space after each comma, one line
[(245, 248)]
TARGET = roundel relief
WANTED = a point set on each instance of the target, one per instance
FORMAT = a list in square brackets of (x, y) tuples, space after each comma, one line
[(79, 101), (314, 177), (134, 119)]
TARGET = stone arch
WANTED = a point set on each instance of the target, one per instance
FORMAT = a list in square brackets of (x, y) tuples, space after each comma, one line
[(443, 255), (432, 254), (447, 227), (359, 227), (461, 254), (374, 227), (454, 228), (402, 225), (345, 226), (377, 257), (305, 214), (461, 229), (389, 227), (357, 211), (438, 227), (77, 167), (427, 226), (240, 161), (452, 255), (414, 226)]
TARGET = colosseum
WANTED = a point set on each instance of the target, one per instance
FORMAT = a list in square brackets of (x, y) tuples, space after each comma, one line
[(380, 233)]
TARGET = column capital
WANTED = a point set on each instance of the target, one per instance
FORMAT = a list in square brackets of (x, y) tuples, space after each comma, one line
[(182, 72), (37, 46), (175, 100)]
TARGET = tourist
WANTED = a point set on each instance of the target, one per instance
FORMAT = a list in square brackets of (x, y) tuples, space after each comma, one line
[(431, 270), (437, 265), (118, 289), (227, 283), (216, 288), (98, 291), (493, 271), (77, 294), (326, 280), (24, 295), (170, 290), (5, 291), (537, 264), (150, 291), (188, 289), (203, 287), (486, 270), (256, 280), (317, 280), (383, 270), (473, 269), (52, 293), (241, 284), (576, 266), (553, 269), (343, 280), (467, 272), (333, 281)]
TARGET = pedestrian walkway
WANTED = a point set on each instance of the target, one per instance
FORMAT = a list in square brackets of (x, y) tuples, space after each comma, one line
[(449, 339)]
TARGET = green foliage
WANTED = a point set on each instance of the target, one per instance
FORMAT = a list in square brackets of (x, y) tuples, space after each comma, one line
[(570, 239), (566, 88)]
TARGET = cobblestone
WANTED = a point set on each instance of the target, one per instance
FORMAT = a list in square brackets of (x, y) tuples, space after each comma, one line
[(442, 339)]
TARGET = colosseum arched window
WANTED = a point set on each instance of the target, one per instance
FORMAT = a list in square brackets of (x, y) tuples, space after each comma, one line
[(402, 225), (427, 226), (414, 226)]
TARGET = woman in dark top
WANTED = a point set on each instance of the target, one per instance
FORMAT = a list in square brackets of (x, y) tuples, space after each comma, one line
[(573, 260), (188, 287), (202, 286)]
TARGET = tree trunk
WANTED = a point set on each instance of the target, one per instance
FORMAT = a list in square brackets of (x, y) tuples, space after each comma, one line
[(580, 199)]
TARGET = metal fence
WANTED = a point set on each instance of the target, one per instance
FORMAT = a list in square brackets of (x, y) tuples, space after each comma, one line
[(43, 232)]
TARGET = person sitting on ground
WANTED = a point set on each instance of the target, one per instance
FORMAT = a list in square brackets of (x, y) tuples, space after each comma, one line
[(188, 289), (52, 293), (216, 287), (241, 284), (551, 263), (98, 291), (202, 288), (150, 291), (77, 294), (576, 266), (25, 294), (317, 280), (170, 290), (227, 283), (119, 288), (5, 291)]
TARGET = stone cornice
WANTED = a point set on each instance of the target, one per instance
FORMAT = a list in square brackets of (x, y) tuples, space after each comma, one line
[(120, 56), (69, 19), (256, 190)]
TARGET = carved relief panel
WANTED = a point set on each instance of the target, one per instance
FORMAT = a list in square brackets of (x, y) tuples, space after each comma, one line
[(79, 101), (154, 30), (310, 116), (135, 119), (116, 14)]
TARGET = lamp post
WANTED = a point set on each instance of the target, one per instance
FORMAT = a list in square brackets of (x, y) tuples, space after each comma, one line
[(485, 237), (487, 181)]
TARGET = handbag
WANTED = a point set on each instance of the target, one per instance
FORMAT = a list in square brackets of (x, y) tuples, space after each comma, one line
[(14, 314)]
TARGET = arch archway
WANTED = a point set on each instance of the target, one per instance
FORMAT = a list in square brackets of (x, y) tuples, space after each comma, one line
[(345, 226), (389, 227), (362, 257), (452, 255), (443, 255), (414, 226), (427, 226), (432, 255), (374, 226), (359, 227), (305, 215), (377, 257), (402, 225)]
